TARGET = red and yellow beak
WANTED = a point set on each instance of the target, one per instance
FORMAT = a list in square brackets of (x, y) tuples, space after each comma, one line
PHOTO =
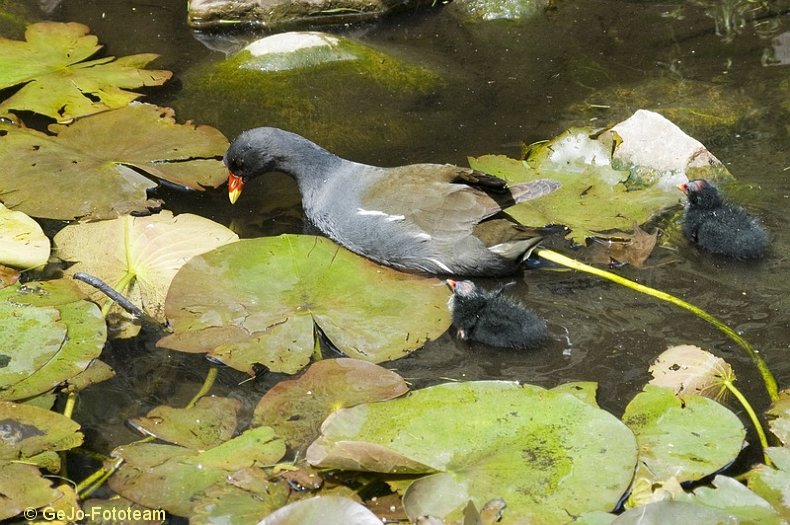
[(683, 186), (452, 283), (235, 185)]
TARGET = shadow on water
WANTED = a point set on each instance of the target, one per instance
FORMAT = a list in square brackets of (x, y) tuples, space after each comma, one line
[(512, 83)]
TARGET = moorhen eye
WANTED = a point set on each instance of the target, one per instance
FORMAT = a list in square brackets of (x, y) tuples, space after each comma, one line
[(719, 227), (431, 218)]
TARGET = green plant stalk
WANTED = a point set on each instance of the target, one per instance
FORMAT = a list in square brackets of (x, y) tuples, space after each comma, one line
[(88, 486), (753, 416), (207, 384), (71, 402), (762, 367)]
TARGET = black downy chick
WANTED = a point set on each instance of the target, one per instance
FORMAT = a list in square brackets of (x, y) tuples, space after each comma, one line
[(494, 319), (719, 227)]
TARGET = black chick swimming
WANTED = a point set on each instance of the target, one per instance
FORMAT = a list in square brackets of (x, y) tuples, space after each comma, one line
[(494, 319), (719, 227)]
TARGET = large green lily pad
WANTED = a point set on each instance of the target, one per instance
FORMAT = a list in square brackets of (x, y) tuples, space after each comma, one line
[(89, 170), (138, 256), (171, 477), (49, 334), (56, 81), (686, 438), (539, 450), (22, 241), (258, 301), (608, 181), (296, 408)]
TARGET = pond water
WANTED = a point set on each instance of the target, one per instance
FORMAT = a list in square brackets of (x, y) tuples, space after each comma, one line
[(515, 83)]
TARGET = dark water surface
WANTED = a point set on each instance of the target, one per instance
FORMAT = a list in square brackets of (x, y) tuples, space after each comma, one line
[(514, 83)]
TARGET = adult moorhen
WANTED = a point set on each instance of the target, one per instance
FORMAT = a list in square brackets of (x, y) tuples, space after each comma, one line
[(492, 318), (433, 218), (720, 227)]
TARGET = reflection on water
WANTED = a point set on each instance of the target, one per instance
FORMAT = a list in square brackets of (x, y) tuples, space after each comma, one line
[(514, 83)]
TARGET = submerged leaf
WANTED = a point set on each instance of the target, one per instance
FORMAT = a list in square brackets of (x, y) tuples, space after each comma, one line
[(539, 450), (773, 483), (22, 241), (258, 301), (296, 408), (58, 84), (41, 171), (623, 248)]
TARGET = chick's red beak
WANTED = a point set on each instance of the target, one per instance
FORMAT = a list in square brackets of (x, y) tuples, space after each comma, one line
[(452, 283), (235, 185), (683, 186)]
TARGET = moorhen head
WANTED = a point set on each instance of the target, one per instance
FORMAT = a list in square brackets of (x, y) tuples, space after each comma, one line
[(719, 227), (494, 319), (432, 218)]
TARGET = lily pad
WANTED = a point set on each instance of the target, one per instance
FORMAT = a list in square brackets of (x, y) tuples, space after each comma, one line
[(86, 170), (56, 81), (170, 477), (735, 498), (22, 241), (139, 256), (49, 335), (664, 512), (296, 408), (689, 369), (773, 483), (29, 431), (778, 416), (23, 487), (687, 438), (211, 422), (322, 510), (246, 495), (108, 508), (259, 300), (605, 186), (539, 450)]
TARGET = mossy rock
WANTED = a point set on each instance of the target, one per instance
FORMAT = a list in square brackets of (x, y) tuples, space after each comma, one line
[(287, 14), (14, 17), (710, 112), (332, 89), (478, 10)]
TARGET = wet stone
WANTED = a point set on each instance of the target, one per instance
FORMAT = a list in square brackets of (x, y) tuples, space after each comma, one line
[(286, 14)]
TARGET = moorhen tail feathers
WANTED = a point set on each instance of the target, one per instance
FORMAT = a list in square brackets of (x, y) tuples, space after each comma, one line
[(719, 227), (432, 218)]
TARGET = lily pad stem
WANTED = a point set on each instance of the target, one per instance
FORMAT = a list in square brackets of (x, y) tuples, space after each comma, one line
[(753, 416), (207, 384), (115, 296), (762, 367), (88, 486)]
